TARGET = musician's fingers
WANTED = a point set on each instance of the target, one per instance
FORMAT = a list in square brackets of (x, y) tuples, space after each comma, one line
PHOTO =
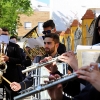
[(54, 63), (13, 84), (13, 88), (59, 86), (43, 61), (62, 58), (95, 65), (46, 81), (72, 53), (57, 76), (51, 77), (49, 66), (84, 77), (83, 72), (68, 53), (46, 59), (85, 68), (64, 54)]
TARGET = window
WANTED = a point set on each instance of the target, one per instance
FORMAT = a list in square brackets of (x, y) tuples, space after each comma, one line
[(28, 25), (40, 28)]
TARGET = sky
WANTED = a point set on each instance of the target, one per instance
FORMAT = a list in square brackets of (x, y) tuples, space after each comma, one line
[(67, 10), (45, 1), (64, 11)]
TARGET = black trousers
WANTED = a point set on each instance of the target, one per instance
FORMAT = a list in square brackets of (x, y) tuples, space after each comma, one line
[(10, 94)]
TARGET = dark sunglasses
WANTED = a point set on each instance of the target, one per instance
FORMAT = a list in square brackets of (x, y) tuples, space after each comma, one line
[(4, 34), (46, 32), (98, 28)]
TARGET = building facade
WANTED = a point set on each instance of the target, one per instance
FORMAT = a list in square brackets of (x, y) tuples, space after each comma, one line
[(29, 22)]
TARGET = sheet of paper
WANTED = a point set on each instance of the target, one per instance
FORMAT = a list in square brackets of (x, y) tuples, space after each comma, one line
[(82, 47), (4, 39), (38, 42), (87, 55)]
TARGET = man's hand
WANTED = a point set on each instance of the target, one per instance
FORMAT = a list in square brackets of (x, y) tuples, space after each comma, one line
[(70, 58), (91, 74), (55, 92), (5, 58), (15, 86), (51, 67)]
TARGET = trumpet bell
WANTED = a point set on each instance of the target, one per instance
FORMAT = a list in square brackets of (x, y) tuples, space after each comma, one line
[(3, 66)]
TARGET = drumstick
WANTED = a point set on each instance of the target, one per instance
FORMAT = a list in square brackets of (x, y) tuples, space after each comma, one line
[(1, 75), (6, 80)]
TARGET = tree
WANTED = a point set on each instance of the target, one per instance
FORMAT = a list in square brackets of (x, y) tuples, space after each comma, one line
[(9, 13)]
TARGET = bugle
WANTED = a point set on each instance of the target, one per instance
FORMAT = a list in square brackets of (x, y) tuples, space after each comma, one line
[(32, 91)]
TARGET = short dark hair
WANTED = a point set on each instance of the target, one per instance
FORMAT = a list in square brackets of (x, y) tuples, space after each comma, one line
[(96, 36), (55, 37), (13, 37), (49, 23), (5, 29)]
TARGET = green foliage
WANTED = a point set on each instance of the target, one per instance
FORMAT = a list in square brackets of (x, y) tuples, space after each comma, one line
[(9, 13)]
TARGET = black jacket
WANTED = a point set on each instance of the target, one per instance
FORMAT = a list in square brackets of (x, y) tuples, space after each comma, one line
[(61, 49), (12, 72), (88, 93)]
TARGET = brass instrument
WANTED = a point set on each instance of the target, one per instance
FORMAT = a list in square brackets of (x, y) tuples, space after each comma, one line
[(3, 65), (33, 52)]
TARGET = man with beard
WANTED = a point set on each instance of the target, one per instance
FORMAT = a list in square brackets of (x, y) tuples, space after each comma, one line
[(51, 43)]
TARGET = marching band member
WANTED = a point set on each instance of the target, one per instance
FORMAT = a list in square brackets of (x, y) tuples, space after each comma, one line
[(21, 66), (12, 57)]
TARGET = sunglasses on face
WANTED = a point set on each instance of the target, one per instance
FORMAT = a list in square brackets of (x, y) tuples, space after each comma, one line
[(4, 34), (46, 32), (98, 28)]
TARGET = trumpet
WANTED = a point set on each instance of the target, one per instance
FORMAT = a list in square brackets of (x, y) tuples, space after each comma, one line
[(32, 91), (30, 68), (3, 65)]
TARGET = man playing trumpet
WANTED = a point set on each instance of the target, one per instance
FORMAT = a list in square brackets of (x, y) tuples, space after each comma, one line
[(11, 57)]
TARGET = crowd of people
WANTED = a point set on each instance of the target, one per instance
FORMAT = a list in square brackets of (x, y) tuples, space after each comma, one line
[(87, 75)]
